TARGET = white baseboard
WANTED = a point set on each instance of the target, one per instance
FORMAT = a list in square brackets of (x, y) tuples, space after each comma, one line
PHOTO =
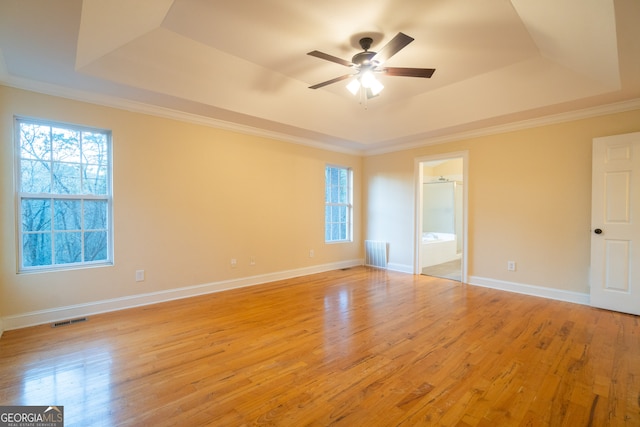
[(538, 291), (82, 310), (402, 268)]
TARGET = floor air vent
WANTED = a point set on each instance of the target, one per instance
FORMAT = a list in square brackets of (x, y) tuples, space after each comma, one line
[(375, 253), (68, 322)]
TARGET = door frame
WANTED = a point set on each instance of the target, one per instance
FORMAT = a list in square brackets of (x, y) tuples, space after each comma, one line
[(418, 201)]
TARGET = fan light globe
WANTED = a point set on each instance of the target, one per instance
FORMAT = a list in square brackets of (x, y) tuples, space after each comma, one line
[(376, 87), (353, 86), (367, 81)]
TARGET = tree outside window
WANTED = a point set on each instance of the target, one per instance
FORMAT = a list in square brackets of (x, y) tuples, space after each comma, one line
[(64, 193), (338, 204)]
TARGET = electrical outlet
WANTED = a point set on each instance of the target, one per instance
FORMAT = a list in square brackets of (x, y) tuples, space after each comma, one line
[(511, 265), (234, 263), (311, 253), (139, 275), (252, 260)]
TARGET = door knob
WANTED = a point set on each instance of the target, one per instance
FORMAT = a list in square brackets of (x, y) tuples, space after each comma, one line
[(597, 231)]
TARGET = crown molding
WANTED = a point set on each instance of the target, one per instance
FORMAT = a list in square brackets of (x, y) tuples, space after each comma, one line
[(168, 113), (139, 107), (600, 110)]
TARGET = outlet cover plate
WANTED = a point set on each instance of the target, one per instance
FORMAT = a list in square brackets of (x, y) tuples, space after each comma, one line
[(139, 275)]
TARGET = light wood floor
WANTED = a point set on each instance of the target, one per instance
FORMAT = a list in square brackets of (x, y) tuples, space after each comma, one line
[(360, 347), (447, 270)]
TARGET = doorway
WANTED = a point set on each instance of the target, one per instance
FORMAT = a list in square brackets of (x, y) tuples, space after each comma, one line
[(441, 216)]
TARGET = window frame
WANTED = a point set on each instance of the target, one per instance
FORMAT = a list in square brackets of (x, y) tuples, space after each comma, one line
[(348, 204), (20, 196)]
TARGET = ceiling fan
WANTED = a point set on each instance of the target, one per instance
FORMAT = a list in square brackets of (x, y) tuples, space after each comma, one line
[(366, 63)]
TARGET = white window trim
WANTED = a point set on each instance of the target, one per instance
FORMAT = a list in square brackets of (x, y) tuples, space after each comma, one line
[(349, 205), (19, 196)]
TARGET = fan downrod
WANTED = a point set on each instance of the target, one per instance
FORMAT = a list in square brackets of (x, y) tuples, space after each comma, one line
[(365, 43)]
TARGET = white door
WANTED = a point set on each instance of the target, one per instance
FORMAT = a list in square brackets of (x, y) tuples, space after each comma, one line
[(615, 223)]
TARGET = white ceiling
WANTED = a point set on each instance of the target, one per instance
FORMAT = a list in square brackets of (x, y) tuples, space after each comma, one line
[(243, 63)]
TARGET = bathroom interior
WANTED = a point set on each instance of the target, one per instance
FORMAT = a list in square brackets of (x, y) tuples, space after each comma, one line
[(442, 219)]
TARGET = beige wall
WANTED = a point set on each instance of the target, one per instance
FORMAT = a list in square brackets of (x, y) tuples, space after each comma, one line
[(187, 199), (529, 201)]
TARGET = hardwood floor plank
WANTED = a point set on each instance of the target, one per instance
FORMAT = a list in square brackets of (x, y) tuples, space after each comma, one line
[(354, 347)]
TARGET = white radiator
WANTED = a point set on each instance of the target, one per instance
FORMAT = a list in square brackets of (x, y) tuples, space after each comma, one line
[(375, 253)]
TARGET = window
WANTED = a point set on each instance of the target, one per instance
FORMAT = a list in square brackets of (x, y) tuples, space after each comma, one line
[(64, 195), (338, 204)]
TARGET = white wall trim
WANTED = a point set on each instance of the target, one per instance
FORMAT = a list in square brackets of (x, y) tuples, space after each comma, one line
[(417, 141), (586, 113), (167, 113), (81, 310), (537, 291), (402, 268)]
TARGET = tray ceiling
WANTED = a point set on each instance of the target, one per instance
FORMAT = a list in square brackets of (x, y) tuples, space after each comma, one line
[(244, 63)]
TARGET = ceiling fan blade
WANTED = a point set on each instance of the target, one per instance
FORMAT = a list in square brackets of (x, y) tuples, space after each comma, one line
[(331, 58), (409, 72), (394, 46), (328, 82)]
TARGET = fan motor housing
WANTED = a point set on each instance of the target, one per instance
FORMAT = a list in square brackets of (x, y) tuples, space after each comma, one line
[(363, 58)]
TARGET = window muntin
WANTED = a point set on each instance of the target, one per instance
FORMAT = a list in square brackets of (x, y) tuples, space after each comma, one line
[(338, 204), (64, 195)]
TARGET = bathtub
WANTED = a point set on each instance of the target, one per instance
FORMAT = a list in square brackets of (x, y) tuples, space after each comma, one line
[(437, 248)]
